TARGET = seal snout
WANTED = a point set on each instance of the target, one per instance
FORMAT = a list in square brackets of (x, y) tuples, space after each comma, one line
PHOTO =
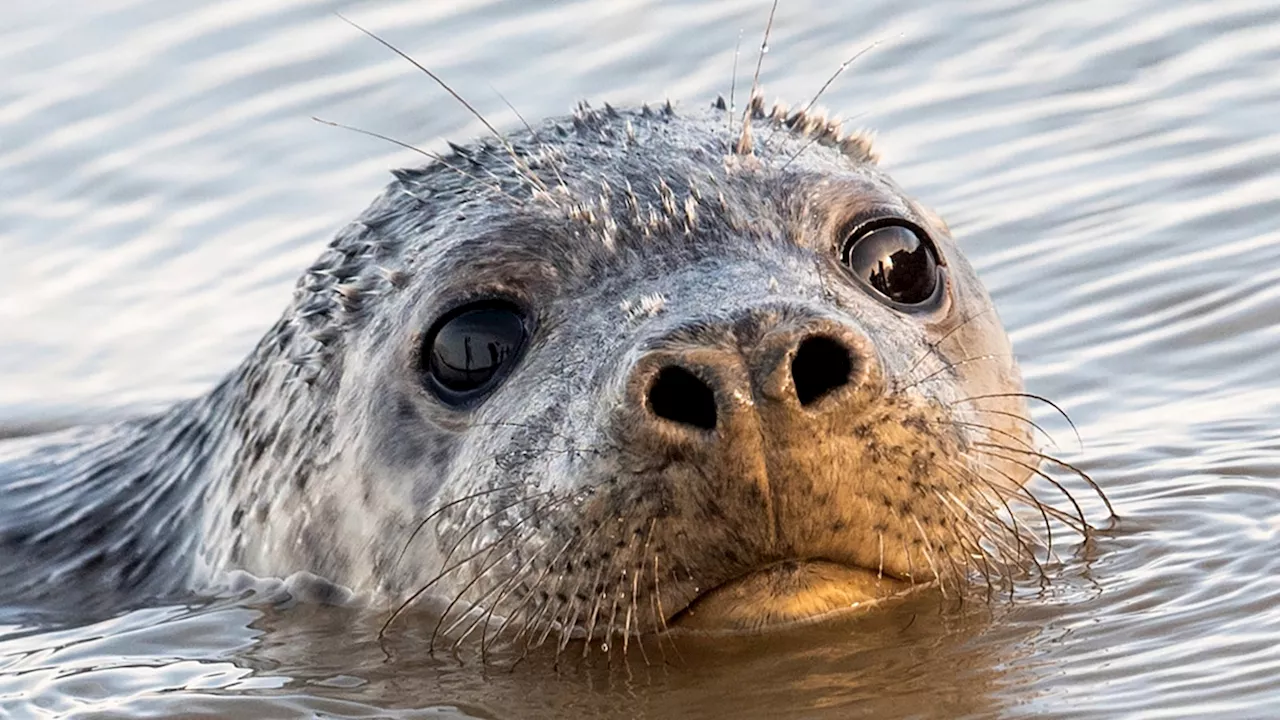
[(697, 387)]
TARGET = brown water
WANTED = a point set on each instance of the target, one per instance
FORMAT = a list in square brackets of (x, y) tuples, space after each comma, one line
[(1113, 170)]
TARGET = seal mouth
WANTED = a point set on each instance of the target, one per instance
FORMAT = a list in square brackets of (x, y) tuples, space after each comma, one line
[(787, 593)]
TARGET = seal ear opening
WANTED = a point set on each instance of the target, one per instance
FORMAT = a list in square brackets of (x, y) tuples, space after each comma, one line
[(681, 397)]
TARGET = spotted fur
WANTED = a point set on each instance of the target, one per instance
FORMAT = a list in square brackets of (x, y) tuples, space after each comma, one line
[(553, 509)]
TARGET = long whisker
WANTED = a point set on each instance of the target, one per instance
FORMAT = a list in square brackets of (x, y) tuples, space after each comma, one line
[(457, 597), (1017, 495), (495, 185), (532, 133), (933, 346), (1017, 531), (502, 588), (1084, 523), (1019, 418), (956, 507), (435, 513), (950, 365), (447, 570), (928, 556), (980, 426), (574, 608), (485, 520), (662, 613), (1093, 485), (733, 85), (532, 178), (744, 146), (814, 100), (507, 587), (1028, 396), (958, 574), (839, 71), (595, 610)]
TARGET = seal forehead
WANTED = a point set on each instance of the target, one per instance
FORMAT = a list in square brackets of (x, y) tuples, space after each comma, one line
[(632, 177)]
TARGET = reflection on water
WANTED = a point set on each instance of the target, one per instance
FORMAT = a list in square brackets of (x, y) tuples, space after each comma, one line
[(1110, 168)]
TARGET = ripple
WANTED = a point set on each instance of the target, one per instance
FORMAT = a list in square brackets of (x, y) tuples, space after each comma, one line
[(1111, 169)]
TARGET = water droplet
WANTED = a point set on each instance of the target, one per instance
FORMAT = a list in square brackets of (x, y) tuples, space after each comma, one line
[(604, 647), (764, 48)]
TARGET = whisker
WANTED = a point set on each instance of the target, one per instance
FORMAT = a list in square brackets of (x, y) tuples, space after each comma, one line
[(1020, 418), (911, 570), (744, 140), (839, 71), (436, 631), (980, 426), (955, 508), (1028, 396), (485, 520), (529, 176), (662, 614), (532, 133), (445, 572), (567, 627), (928, 556), (547, 570), (435, 513), (1017, 531), (595, 610), (817, 137), (1093, 485), (626, 633), (518, 576), (1061, 488), (958, 574), (880, 566), (733, 85), (818, 95), (949, 366), (1020, 493), (495, 185), (933, 346)]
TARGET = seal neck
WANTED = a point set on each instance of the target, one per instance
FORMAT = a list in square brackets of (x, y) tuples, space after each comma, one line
[(106, 517)]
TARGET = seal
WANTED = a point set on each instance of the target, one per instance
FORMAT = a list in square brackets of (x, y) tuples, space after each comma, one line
[(628, 369)]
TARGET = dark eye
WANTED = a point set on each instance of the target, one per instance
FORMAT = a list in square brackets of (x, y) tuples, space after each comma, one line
[(895, 260), (470, 350)]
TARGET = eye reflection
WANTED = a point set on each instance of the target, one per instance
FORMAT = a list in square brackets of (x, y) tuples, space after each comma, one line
[(469, 351), (895, 261)]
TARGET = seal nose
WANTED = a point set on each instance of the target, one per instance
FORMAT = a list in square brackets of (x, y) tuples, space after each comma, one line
[(820, 366), (682, 397), (699, 388)]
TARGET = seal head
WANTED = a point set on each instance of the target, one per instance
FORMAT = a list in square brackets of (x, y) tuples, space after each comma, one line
[(617, 371), (629, 368)]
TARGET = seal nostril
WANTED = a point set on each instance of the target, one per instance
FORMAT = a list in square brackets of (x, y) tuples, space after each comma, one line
[(679, 396), (820, 366)]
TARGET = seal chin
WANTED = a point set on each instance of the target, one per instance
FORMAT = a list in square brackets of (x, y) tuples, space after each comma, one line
[(791, 592)]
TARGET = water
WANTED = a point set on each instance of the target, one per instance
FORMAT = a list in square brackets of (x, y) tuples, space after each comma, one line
[(1110, 167)]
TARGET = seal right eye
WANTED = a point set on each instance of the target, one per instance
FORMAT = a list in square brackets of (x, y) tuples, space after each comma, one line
[(895, 260), (471, 350)]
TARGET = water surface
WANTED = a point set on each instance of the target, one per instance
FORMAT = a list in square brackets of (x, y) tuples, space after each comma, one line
[(1112, 169)]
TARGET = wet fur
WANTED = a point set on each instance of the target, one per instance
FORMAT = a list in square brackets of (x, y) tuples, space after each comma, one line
[(626, 233)]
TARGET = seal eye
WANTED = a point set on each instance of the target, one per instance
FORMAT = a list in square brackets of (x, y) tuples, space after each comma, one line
[(895, 260), (469, 351)]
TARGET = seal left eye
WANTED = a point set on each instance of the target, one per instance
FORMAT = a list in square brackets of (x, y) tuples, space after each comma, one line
[(470, 350), (895, 261)]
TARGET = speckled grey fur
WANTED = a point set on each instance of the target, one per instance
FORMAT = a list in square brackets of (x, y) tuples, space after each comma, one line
[(627, 234)]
